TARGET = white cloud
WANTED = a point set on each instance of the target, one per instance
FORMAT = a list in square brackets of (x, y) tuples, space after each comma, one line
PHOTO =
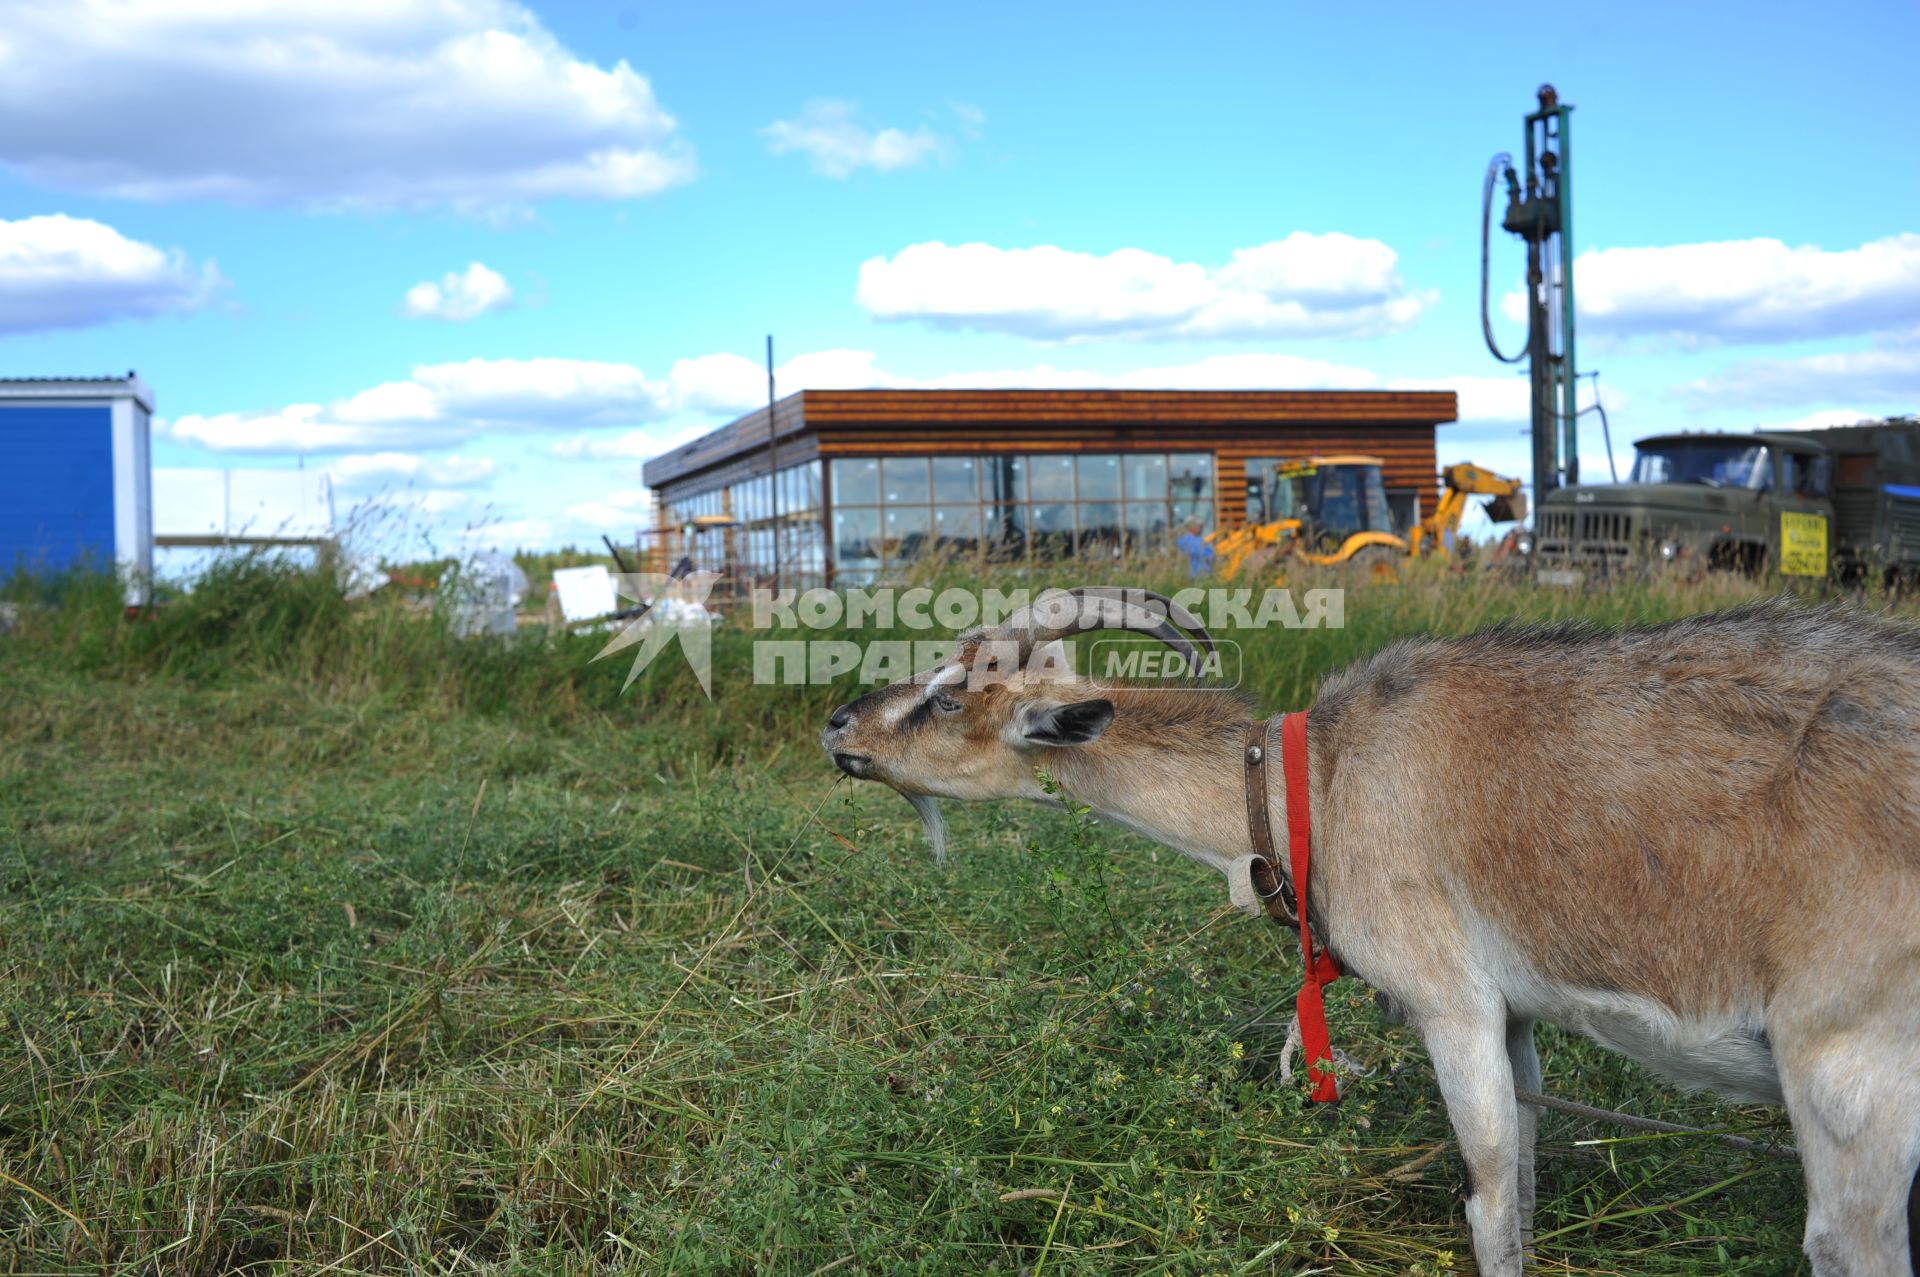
[(1483, 399), (323, 103), (362, 471), (460, 295), (429, 502), (1753, 290), (519, 394), (631, 445), (1824, 419), (1305, 285), (1217, 372), (442, 404), (973, 120), (69, 272), (1887, 374), (508, 534), (621, 511), (297, 428), (837, 144)]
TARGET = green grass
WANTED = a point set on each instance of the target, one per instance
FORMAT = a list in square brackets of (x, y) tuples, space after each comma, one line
[(329, 942)]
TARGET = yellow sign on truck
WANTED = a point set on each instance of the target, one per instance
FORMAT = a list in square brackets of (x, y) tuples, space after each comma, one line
[(1803, 544)]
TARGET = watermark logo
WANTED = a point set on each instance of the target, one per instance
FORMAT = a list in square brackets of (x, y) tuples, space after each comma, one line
[(676, 608), (1132, 662), (671, 607)]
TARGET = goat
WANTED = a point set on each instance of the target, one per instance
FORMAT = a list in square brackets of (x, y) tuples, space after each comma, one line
[(1697, 843)]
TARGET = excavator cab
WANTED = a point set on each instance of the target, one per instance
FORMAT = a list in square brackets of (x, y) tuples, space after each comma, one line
[(1332, 498), (1323, 510)]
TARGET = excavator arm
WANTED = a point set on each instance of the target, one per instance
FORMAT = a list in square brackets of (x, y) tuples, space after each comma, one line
[(1508, 504)]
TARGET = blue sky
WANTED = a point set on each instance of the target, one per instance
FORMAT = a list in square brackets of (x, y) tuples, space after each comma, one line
[(244, 202)]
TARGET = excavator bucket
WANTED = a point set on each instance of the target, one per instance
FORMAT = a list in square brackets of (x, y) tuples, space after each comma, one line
[(1509, 509)]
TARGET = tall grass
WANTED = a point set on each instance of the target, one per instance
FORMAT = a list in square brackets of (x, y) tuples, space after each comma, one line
[(331, 941)]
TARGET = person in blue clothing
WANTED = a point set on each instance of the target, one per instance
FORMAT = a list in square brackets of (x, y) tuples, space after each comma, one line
[(1194, 546)]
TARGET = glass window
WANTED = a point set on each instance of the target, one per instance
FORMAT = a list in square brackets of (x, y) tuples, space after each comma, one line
[(953, 479), (856, 482), (1146, 477), (1100, 479), (1006, 532), (1817, 479), (1146, 526), (1100, 528), (1004, 479), (1190, 479), (908, 529), (1804, 473), (1187, 513), (856, 537), (957, 527), (1054, 516), (904, 479), (1050, 478), (1051, 534), (1714, 463)]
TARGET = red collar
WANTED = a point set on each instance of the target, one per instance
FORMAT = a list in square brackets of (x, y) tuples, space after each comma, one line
[(1286, 903), (1321, 970)]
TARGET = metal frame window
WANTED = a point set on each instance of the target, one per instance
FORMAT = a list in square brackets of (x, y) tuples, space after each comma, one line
[(747, 551), (889, 512)]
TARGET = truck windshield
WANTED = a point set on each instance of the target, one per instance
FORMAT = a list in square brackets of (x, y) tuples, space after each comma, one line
[(1718, 465)]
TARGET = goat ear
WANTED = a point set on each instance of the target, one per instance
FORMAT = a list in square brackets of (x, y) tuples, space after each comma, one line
[(1071, 724)]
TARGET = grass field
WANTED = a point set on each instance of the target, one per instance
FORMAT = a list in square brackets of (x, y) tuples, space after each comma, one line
[(330, 943)]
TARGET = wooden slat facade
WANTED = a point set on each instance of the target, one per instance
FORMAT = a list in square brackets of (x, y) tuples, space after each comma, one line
[(1397, 426)]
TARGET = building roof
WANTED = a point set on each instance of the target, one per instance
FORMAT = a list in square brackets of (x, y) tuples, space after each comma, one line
[(129, 386), (828, 410)]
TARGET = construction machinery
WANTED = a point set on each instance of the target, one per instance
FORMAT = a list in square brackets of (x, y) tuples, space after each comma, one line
[(1843, 502), (1508, 504), (1333, 510), (1540, 212), (1323, 510)]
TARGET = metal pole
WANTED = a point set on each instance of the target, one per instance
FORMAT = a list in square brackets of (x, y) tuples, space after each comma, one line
[(1546, 462), (773, 467), (1569, 375)]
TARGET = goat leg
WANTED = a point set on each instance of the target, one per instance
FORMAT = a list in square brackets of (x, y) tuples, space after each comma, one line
[(1469, 1053)]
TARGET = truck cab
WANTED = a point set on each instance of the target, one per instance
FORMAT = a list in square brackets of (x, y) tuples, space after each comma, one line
[(1743, 502)]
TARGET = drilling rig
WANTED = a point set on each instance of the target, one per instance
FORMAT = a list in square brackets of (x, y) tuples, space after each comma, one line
[(1540, 211)]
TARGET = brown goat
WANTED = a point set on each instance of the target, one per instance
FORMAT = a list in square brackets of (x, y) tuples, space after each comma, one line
[(1697, 843)]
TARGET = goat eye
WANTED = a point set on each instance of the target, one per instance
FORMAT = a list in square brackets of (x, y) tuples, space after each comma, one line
[(945, 703)]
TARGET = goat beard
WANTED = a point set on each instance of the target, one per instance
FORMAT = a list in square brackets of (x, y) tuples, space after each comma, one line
[(928, 808)]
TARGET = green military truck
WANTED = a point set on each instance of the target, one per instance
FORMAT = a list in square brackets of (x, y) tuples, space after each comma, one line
[(1844, 502)]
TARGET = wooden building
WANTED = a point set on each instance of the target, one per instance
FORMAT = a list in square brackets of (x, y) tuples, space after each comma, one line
[(863, 481)]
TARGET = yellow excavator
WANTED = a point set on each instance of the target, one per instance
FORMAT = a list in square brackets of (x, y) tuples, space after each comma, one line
[(1325, 510), (1508, 504), (1332, 510)]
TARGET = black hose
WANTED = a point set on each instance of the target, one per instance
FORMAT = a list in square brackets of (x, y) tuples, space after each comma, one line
[(1499, 162)]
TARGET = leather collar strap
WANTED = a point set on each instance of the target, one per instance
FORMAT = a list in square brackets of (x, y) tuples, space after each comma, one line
[(1286, 902)]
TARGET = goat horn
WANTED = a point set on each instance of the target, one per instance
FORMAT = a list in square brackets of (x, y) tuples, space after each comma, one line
[(1057, 613)]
